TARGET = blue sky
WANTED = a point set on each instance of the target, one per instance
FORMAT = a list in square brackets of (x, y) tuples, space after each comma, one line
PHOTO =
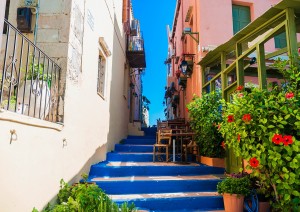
[(154, 16)]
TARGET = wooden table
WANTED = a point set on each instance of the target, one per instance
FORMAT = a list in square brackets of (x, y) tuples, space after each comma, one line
[(181, 135)]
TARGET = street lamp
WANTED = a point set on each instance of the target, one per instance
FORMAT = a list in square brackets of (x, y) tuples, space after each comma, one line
[(184, 66)]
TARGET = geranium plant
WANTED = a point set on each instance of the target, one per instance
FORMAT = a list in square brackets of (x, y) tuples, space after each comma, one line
[(205, 113), (263, 127)]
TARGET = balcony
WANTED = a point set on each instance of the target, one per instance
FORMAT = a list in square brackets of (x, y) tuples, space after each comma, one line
[(136, 52), (29, 79)]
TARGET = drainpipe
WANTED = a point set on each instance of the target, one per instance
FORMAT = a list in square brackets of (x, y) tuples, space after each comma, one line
[(36, 21)]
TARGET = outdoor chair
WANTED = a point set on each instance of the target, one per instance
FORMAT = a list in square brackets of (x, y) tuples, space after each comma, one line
[(163, 142)]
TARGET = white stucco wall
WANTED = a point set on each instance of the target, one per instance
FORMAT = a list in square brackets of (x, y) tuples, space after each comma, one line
[(38, 157), (2, 13)]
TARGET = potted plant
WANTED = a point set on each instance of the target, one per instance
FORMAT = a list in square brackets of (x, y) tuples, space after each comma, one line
[(204, 114), (36, 89), (234, 188)]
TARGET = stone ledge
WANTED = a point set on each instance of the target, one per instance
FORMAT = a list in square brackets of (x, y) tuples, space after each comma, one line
[(26, 120)]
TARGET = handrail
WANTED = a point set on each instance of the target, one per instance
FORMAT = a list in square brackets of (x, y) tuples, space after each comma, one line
[(30, 79)]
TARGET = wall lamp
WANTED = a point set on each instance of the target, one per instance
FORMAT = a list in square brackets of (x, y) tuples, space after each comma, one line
[(187, 68)]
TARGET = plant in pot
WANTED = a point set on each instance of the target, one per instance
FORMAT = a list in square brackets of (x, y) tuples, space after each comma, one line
[(204, 114), (234, 188), (36, 89)]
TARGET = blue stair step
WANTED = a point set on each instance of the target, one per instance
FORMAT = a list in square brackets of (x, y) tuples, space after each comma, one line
[(141, 137), (105, 169), (129, 157), (133, 148), (178, 204), (139, 141), (159, 186)]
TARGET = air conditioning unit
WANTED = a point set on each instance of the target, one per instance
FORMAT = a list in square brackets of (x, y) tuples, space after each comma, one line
[(208, 48)]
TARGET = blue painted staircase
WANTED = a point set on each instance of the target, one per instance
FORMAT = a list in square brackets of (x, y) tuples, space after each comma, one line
[(129, 175)]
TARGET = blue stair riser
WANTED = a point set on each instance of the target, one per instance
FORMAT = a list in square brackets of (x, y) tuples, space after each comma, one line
[(133, 148), (102, 170), (141, 137), (139, 141), (159, 186), (201, 203), (130, 157), (140, 157)]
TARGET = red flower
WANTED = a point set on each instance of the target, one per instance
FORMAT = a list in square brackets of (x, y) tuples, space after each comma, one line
[(230, 118), (186, 109), (289, 95), (277, 139), (254, 162), (240, 95), (219, 126), (239, 88), (287, 139), (246, 118), (238, 137), (223, 144)]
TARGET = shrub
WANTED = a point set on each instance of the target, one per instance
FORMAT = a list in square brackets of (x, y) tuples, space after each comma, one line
[(235, 184), (263, 126), (84, 197), (204, 115)]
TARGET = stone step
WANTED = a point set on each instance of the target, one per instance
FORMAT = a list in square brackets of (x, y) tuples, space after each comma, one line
[(174, 202), (156, 184), (122, 169), (139, 141), (133, 148), (129, 156), (141, 137)]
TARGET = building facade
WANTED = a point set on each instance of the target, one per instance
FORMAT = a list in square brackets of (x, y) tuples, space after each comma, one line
[(199, 27), (74, 56)]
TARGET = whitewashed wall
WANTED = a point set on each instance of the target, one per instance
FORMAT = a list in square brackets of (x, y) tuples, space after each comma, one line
[(42, 153)]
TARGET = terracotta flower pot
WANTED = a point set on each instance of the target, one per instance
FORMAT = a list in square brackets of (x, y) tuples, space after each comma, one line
[(264, 206), (233, 202), (217, 162)]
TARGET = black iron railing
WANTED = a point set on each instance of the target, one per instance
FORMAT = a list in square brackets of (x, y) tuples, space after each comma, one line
[(135, 43), (29, 80)]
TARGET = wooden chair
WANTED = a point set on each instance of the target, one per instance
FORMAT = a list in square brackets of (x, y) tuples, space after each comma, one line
[(192, 148), (163, 142)]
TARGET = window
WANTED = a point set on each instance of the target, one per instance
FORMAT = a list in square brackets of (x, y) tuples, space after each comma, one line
[(280, 40), (6, 16), (241, 17), (101, 76)]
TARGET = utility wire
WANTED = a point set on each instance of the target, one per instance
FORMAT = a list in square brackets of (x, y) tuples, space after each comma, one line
[(115, 29)]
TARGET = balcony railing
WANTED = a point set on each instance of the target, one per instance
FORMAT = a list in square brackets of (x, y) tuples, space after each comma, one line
[(136, 52), (29, 80)]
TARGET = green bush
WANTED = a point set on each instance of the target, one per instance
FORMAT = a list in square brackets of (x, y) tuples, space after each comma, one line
[(204, 115), (84, 197), (235, 184), (263, 127)]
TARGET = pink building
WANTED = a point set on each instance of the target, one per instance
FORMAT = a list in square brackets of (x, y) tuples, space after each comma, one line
[(199, 27)]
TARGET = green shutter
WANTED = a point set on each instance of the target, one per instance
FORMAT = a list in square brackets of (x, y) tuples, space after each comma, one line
[(241, 17), (280, 40)]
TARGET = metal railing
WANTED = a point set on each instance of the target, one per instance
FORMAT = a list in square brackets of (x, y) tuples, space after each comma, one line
[(135, 43), (29, 80)]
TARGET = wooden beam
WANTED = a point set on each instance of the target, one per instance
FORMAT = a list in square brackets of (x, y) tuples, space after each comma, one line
[(291, 36), (239, 65), (223, 75), (261, 66)]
